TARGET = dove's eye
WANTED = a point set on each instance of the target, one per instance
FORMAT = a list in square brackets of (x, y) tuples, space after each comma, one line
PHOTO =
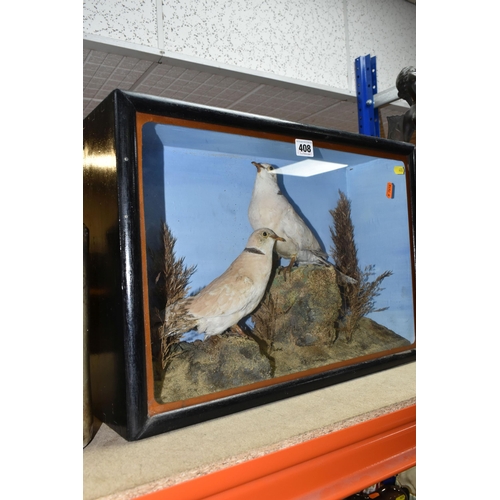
[(264, 233), (270, 167)]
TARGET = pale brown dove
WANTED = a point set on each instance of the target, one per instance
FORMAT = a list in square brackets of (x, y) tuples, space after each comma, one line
[(269, 207), (231, 296)]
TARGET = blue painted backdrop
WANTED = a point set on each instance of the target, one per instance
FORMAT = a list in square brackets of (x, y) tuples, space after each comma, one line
[(200, 182)]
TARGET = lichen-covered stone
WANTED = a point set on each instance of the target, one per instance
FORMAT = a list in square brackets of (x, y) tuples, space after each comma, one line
[(295, 329), (298, 322), (300, 308), (368, 338), (218, 363)]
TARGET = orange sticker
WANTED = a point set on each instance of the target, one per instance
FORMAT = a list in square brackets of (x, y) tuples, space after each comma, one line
[(388, 191)]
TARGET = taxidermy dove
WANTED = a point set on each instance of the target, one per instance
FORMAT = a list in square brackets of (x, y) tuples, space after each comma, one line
[(231, 296), (269, 207)]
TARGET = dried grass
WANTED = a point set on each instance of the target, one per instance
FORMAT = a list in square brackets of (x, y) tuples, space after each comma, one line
[(358, 299), (171, 280)]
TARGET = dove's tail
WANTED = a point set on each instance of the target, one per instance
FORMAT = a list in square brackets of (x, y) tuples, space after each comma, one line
[(313, 257), (321, 259), (345, 279)]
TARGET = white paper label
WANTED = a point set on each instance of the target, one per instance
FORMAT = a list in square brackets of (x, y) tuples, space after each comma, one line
[(304, 148)]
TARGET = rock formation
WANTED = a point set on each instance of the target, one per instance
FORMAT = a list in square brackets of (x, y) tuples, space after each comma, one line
[(295, 328)]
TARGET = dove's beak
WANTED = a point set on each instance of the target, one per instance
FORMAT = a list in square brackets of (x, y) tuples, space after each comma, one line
[(258, 165), (278, 238)]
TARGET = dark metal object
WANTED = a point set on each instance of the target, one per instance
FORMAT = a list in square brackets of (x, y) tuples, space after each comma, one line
[(385, 492), (116, 314), (401, 127), (392, 492)]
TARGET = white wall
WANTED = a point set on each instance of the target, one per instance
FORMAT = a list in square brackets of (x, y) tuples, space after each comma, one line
[(311, 41)]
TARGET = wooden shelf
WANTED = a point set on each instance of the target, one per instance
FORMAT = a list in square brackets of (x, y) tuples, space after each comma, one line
[(328, 443)]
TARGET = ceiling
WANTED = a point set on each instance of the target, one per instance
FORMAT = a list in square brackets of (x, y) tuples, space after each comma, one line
[(104, 72)]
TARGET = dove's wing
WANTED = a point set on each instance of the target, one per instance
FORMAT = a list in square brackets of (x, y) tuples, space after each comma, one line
[(295, 228), (227, 294)]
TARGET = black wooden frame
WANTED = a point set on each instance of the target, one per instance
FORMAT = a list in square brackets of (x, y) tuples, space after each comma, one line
[(116, 312)]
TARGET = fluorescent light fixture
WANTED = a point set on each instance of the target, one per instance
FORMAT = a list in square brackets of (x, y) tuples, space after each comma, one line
[(308, 168)]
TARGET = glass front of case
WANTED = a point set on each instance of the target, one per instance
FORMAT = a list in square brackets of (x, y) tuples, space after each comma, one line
[(196, 184)]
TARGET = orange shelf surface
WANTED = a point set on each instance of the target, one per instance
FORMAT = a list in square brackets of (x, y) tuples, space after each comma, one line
[(329, 467)]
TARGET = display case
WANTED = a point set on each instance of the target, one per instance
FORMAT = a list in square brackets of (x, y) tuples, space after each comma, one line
[(235, 260)]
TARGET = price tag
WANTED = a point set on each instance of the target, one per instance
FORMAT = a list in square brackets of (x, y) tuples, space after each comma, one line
[(304, 148)]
